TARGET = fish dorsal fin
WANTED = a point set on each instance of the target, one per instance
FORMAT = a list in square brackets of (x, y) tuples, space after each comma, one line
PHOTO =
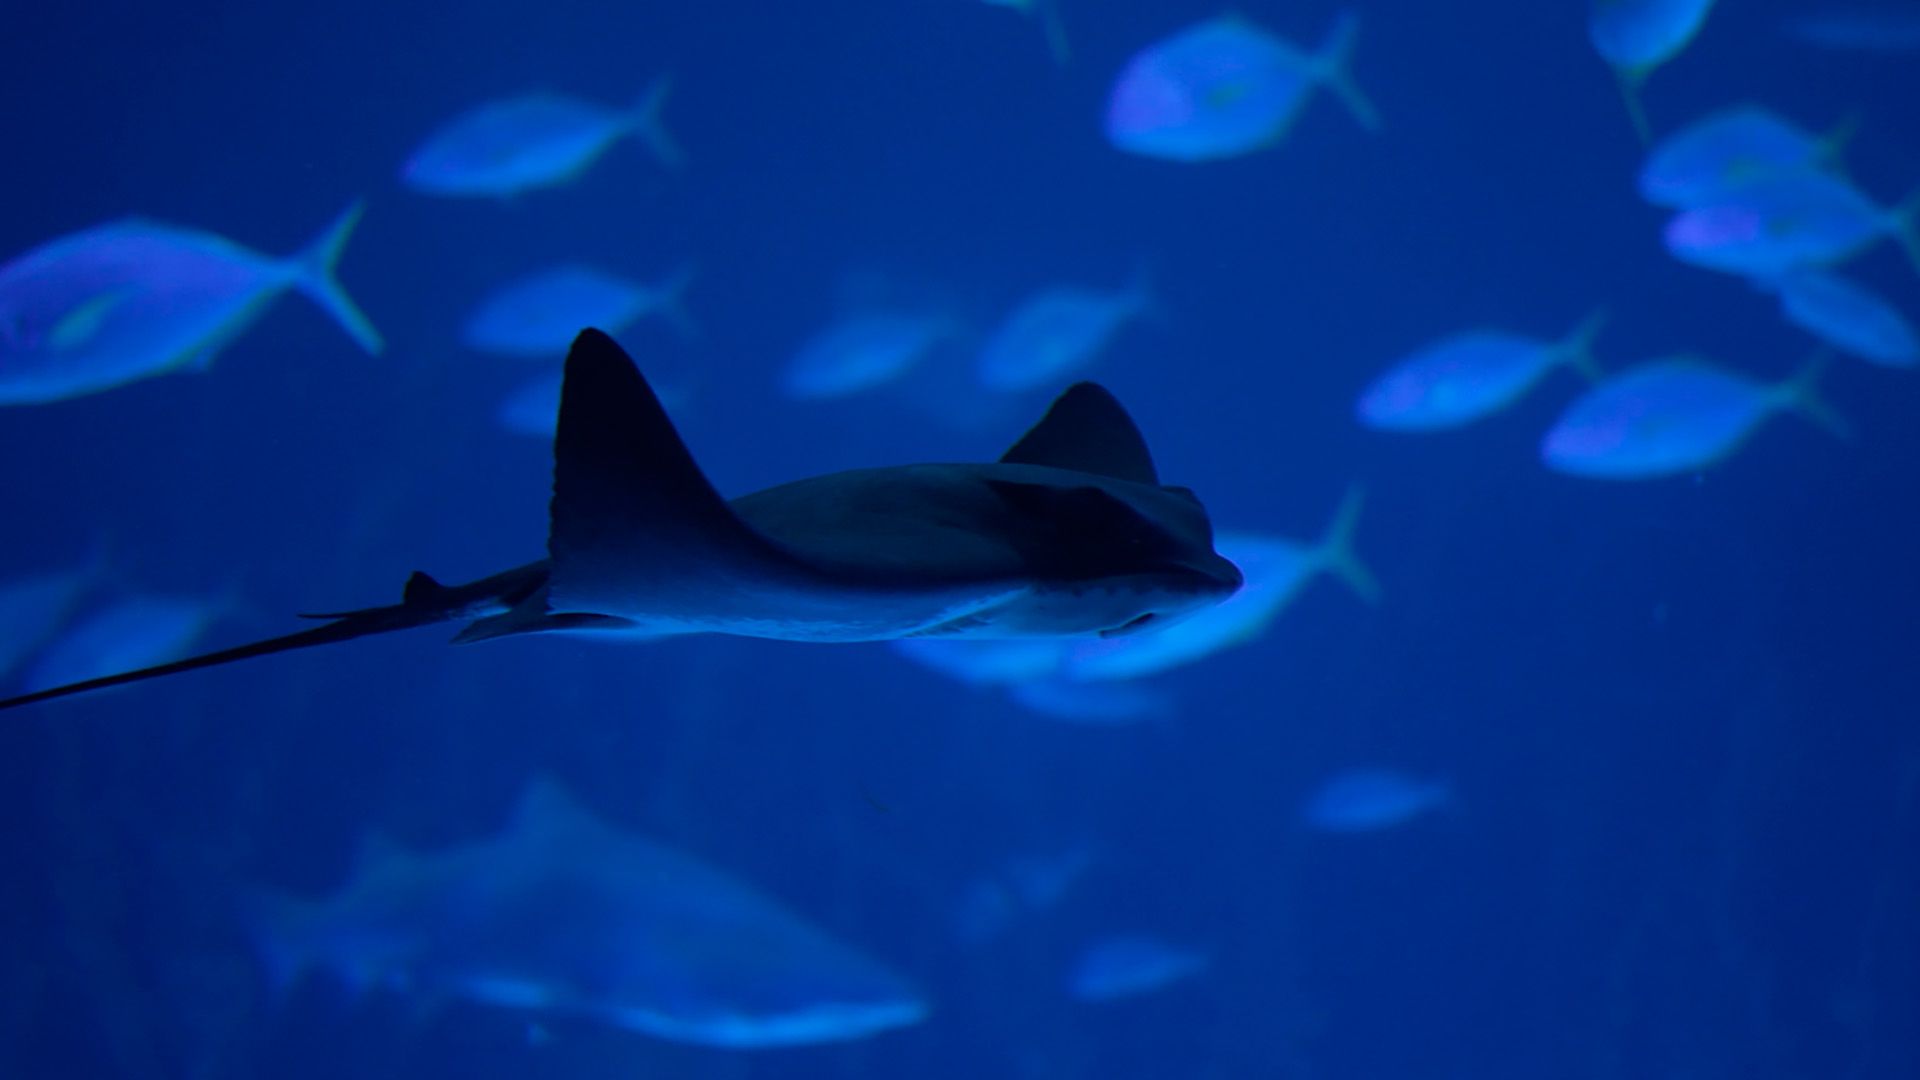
[(1086, 431), (547, 810), (630, 505)]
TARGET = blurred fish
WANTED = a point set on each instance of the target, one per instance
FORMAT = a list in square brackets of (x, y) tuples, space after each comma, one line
[(1471, 375), (565, 915), (1226, 87), (1846, 315), (538, 314), (1123, 967), (1637, 36), (1058, 331), (1069, 533), (1711, 159), (862, 352), (1772, 226), (537, 140), (1674, 416), (1889, 29), (1047, 14), (133, 298), (1276, 570), (1363, 800), (131, 632), (34, 608)]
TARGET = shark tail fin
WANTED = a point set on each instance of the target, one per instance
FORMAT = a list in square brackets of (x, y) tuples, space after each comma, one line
[(647, 123), (1336, 549), (1800, 393), (315, 269), (1576, 349), (1335, 65)]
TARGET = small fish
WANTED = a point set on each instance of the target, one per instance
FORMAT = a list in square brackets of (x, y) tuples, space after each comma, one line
[(1226, 87), (1058, 331), (1471, 375), (1123, 967), (1848, 316), (131, 632), (862, 352), (1674, 416), (537, 315), (1276, 570), (538, 140), (1711, 159), (1365, 800), (1889, 29), (1783, 223), (1637, 36), (132, 299), (564, 915)]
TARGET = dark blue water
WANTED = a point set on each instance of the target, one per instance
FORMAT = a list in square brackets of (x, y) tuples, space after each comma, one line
[(1680, 715)]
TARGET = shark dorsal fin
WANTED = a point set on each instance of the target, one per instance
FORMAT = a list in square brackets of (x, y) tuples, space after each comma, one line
[(1086, 431), (630, 505)]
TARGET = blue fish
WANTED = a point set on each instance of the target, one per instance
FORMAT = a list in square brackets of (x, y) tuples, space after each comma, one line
[(1674, 416), (563, 915), (1226, 87), (862, 352), (1711, 159), (1784, 223), (1637, 36), (131, 632), (537, 140), (134, 298), (1123, 967), (1275, 569), (538, 314), (1058, 331), (1848, 316), (1470, 375), (1364, 800)]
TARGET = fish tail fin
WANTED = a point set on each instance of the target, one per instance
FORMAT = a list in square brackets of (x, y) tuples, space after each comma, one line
[(1576, 350), (670, 300), (1834, 142), (1800, 393), (316, 265), (1054, 28), (1336, 548), (1335, 63), (646, 121), (1629, 80)]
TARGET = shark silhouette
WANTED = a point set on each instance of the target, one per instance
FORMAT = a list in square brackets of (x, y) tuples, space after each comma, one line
[(1069, 533)]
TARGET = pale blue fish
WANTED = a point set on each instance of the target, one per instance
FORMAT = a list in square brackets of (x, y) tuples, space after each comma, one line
[(535, 140), (1636, 36), (537, 315), (1711, 159), (131, 632), (1059, 331), (1848, 316), (1128, 966), (1276, 570), (1674, 416), (1470, 375), (33, 610), (564, 915), (1369, 799), (1891, 28), (1783, 223), (134, 298), (1052, 26), (1226, 87), (861, 352)]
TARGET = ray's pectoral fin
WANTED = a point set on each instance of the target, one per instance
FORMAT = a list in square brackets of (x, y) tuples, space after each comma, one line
[(634, 521), (1087, 431)]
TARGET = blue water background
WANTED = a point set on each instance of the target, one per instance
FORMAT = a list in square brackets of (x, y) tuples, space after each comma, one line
[(1680, 715)]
